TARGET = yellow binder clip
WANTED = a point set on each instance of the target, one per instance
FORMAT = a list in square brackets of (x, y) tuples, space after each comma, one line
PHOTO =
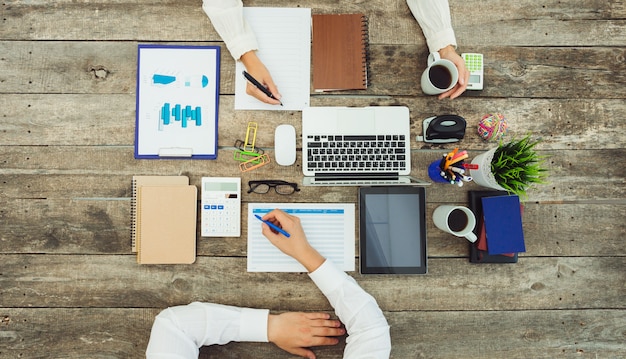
[(248, 145)]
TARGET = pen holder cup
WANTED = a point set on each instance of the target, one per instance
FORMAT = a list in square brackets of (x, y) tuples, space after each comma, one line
[(434, 172)]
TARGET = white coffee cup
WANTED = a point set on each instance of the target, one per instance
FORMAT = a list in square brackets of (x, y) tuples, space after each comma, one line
[(456, 220), (440, 76)]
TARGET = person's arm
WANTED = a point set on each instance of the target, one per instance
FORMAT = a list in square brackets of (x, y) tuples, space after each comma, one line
[(368, 331), (179, 332), (433, 17), (367, 328), (227, 19)]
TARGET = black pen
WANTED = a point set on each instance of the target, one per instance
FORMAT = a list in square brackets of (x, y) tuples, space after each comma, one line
[(258, 85)]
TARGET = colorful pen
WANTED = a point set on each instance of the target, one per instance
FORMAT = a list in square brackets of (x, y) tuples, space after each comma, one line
[(273, 226), (260, 86)]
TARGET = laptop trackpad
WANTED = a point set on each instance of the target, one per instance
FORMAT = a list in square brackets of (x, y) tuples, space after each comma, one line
[(356, 121)]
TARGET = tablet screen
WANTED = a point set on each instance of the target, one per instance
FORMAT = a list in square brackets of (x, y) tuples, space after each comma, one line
[(392, 230)]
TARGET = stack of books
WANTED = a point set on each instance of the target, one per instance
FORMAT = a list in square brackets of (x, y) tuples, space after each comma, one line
[(498, 227)]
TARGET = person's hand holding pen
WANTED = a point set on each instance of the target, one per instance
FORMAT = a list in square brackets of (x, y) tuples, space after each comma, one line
[(296, 245), (449, 53), (258, 71)]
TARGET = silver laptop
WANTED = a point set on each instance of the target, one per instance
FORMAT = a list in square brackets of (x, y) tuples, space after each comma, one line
[(355, 146)]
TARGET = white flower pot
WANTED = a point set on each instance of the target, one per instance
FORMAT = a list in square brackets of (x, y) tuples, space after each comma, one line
[(483, 176)]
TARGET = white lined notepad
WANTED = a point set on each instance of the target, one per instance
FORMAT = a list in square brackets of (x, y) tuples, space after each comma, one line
[(329, 227), (284, 37)]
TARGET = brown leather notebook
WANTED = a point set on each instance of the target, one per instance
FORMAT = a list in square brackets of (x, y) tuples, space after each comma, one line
[(340, 47), (166, 224)]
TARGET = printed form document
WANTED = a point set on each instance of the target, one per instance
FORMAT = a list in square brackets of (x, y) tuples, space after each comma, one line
[(284, 38), (329, 227)]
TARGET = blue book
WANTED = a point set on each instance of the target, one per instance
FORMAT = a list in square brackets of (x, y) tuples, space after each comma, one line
[(503, 224)]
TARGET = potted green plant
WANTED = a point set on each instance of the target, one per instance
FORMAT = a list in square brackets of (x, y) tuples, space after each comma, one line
[(512, 166)]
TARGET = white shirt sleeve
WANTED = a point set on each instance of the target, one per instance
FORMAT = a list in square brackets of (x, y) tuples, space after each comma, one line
[(179, 332), (368, 331), (433, 17), (227, 19)]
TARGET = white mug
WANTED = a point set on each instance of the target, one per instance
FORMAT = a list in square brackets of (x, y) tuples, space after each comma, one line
[(440, 76), (456, 220)]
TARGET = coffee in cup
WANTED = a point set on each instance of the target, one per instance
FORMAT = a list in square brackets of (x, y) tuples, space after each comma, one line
[(456, 220), (440, 76)]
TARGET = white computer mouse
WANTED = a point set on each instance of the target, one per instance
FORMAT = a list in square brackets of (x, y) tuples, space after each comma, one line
[(285, 145)]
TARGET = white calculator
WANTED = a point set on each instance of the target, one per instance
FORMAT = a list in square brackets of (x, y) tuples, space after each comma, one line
[(474, 64), (221, 207)]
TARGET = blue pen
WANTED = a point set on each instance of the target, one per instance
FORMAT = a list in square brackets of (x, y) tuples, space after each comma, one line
[(273, 226)]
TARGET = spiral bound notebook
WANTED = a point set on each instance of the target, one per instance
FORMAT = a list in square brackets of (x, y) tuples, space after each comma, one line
[(163, 219), (139, 181), (166, 224), (340, 52)]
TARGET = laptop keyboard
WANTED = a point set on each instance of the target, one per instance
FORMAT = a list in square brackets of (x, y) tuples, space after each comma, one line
[(374, 153)]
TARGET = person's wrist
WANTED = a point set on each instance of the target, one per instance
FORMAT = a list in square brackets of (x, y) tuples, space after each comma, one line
[(311, 259), (446, 50), (249, 58), (271, 326)]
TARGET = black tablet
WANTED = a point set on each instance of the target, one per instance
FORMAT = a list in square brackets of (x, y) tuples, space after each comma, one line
[(392, 230)]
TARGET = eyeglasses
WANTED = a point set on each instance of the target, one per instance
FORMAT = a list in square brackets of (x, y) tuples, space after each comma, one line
[(281, 187)]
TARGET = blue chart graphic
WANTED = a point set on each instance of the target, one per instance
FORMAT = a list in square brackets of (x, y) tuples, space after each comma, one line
[(189, 81), (179, 114), (163, 79)]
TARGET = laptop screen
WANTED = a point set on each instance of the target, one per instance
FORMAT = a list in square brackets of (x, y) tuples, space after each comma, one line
[(392, 230)]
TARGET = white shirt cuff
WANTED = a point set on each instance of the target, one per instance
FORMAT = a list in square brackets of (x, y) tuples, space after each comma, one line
[(441, 39), (253, 325), (327, 277), (242, 44)]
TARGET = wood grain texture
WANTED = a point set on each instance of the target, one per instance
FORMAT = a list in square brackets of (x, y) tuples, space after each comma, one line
[(90, 120), (102, 226), (71, 288), (514, 71), (123, 333), (525, 23), (451, 284), (58, 172), (109, 120)]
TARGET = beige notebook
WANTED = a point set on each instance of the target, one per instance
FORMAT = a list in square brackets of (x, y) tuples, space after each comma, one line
[(166, 224), (148, 181)]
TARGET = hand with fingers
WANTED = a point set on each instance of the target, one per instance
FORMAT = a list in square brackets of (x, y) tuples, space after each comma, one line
[(260, 73), (449, 53), (295, 246), (295, 332)]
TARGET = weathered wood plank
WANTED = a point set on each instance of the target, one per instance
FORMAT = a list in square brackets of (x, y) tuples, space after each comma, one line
[(93, 226), (550, 334), (109, 120), (525, 23), (57, 172), (59, 67), (124, 333), (526, 334), (452, 284)]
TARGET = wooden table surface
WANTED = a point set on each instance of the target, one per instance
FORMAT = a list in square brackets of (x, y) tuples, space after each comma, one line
[(70, 286)]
